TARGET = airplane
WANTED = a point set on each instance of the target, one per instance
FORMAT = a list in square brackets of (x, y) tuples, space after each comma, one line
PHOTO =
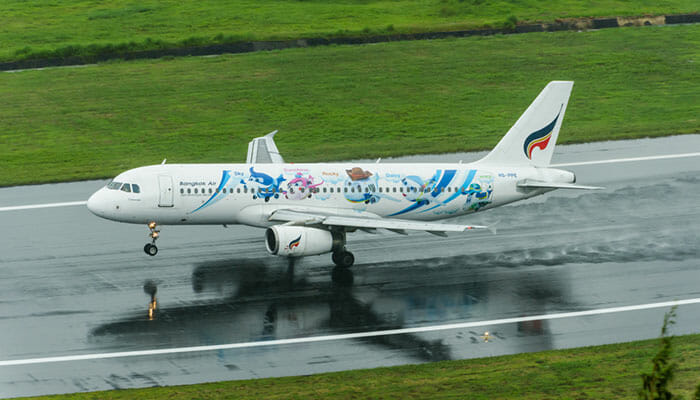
[(308, 209)]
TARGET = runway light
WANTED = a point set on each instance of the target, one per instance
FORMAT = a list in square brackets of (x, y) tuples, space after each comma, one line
[(486, 336)]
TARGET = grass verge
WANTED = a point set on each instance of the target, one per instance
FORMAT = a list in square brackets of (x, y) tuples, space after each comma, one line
[(343, 102), (55, 29), (600, 372)]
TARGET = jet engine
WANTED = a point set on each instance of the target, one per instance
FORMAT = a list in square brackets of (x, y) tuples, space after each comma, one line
[(297, 241)]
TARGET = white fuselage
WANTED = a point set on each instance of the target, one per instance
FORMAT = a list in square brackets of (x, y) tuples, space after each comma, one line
[(247, 193)]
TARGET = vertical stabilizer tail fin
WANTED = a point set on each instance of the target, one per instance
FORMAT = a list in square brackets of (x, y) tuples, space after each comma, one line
[(532, 139)]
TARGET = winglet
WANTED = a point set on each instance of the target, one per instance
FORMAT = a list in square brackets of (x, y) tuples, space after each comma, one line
[(263, 150)]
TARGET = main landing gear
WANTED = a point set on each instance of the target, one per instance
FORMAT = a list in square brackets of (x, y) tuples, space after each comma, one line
[(150, 248), (343, 258)]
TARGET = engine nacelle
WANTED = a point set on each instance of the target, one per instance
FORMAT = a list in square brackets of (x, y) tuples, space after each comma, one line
[(298, 241)]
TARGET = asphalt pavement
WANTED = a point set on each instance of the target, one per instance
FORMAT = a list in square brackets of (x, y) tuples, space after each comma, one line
[(72, 284)]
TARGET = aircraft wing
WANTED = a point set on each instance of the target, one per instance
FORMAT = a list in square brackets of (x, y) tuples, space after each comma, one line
[(263, 150), (367, 223), (552, 185)]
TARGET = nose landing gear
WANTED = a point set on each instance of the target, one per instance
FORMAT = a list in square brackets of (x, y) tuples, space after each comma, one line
[(150, 248)]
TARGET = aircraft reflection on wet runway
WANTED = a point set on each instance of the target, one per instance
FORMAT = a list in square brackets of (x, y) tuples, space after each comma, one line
[(249, 300)]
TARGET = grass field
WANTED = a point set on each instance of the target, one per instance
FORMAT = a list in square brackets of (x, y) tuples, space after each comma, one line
[(602, 372), (53, 28), (343, 102)]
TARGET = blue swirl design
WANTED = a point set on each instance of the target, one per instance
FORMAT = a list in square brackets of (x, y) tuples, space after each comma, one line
[(218, 194)]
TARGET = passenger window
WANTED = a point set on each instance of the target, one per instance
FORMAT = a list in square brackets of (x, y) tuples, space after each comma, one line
[(394, 189), (126, 188), (189, 190), (182, 191), (210, 190), (238, 190), (135, 188)]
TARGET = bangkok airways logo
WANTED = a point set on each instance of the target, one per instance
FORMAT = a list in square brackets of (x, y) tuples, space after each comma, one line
[(295, 243), (540, 139)]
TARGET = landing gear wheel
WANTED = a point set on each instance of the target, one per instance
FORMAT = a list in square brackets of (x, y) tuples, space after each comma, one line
[(343, 259), (150, 249)]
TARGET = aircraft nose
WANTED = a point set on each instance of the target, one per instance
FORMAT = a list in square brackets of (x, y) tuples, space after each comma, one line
[(97, 203)]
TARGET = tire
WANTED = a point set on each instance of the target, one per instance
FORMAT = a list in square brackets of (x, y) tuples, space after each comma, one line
[(347, 259), (150, 249), (343, 259)]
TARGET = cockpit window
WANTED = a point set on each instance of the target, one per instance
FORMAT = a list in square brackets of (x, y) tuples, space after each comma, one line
[(124, 187)]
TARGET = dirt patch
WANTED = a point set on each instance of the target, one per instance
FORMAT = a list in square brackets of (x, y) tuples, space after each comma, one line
[(641, 21)]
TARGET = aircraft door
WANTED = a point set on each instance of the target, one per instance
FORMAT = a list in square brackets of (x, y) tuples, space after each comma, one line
[(165, 199)]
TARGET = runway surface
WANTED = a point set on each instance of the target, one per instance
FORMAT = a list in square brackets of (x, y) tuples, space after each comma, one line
[(72, 284)]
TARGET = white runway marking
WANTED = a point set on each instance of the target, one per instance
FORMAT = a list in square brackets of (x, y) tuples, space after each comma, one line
[(47, 205), (312, 339), (619, 160)]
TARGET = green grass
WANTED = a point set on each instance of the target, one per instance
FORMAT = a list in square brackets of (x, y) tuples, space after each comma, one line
[(601, 372), (54, 28), (343, 102)]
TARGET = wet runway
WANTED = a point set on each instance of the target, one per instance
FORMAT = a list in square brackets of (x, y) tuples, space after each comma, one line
[(73, 284)]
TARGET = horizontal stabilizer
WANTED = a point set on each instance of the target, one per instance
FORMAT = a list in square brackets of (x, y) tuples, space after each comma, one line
[(553, 185)]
